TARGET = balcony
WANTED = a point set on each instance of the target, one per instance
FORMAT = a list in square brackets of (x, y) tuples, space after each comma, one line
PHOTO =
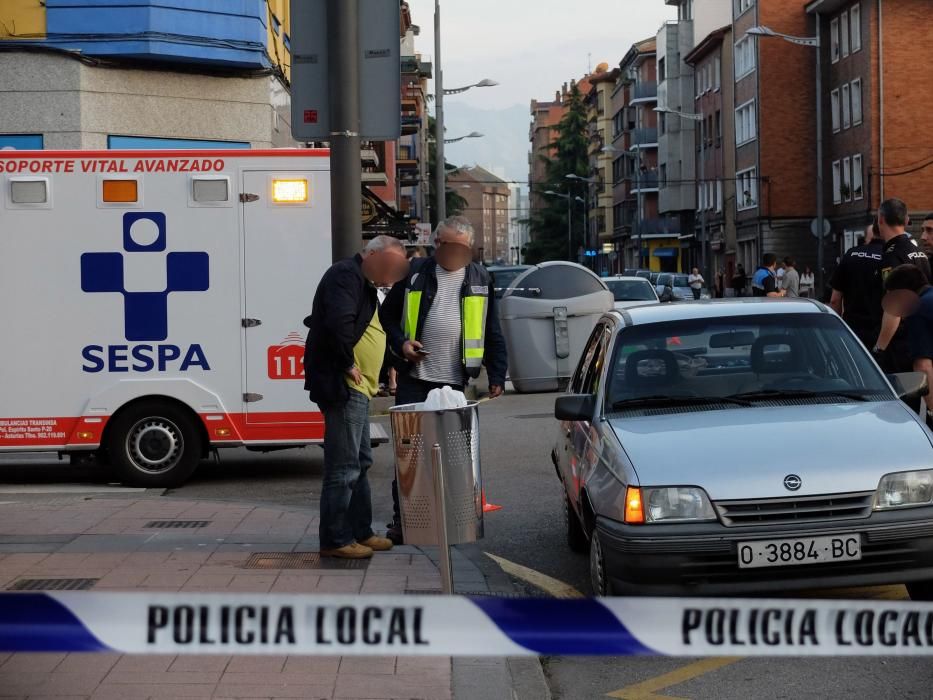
[(645, 137), (646, 91), (648, 182), (660, 225)]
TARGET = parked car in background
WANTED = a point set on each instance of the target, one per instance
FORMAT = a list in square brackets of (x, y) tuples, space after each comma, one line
[(631, 291), (666, 404), (673, 286), (504, 275)]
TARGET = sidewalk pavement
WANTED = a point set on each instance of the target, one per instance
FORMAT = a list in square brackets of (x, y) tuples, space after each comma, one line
[(161, 544)]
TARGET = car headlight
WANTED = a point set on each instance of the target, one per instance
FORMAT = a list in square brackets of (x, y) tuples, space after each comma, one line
[(677, 504), (904, 489)]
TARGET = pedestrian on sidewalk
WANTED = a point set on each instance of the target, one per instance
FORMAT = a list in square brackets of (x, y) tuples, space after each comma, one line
[(791, 282), (739, 281), (696, 282), (891, 348), (344, 353), (764, 281), (442, 325), (807, 282), (909, 297), (858, 289)]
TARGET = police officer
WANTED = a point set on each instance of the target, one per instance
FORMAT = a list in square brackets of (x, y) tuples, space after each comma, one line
[(857, 287), (891, 348)]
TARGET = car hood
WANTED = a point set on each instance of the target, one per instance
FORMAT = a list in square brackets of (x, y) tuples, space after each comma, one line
[(619, 305), (746, 452)]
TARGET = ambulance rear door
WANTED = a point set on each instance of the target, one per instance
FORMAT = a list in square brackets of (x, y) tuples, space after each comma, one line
[(287, 249)]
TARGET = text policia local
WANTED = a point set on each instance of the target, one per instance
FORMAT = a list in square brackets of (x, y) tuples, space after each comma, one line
[(807, 627), (249, 625), (111, 165)]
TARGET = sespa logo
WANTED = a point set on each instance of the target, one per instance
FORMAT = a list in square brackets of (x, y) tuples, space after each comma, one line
[(145, 313)]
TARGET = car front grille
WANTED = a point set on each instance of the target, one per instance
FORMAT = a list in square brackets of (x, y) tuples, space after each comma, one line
[(795, 510)]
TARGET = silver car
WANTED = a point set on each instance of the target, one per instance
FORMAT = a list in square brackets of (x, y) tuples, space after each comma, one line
[(630, 292), (745, 446)]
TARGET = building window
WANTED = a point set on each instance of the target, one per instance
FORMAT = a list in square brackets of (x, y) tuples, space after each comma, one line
[(22, 142), (718, 128), (745, 125), (844, 33), (743, 5), (747, 195), (663, 177), (719, 195), (287, 40), (662, 70), (846, 107), (857, 101), (837, 182), (834, 39), (855, 21), (662, 123), (276, 25), (834, 99), (846, 191), (857, 186), (717, 73), (744, 56)]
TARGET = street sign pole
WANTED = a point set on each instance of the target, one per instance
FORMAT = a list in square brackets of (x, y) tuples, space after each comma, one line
[(440, 163), (346, 176)]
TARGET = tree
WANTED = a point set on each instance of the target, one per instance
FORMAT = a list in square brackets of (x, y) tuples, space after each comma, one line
[(455, 203), (571, 156)]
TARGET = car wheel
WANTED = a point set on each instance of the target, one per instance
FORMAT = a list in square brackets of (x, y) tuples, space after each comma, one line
[(576, 535), (920, 590), (599, 578), (154, 444)]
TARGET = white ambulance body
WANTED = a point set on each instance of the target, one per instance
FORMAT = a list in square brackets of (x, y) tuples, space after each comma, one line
[(152, 303)]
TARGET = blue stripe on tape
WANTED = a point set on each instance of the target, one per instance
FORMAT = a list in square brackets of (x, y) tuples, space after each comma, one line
[(580, 627), (38, 622)]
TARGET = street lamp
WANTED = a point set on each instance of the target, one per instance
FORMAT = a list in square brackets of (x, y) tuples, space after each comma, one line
[(636, 224), (588, 181), (552, 193), (814, 43), (440, 175), (485, 82), (472, 135)]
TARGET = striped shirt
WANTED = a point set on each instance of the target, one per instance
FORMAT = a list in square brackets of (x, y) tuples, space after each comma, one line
[(442, 332)]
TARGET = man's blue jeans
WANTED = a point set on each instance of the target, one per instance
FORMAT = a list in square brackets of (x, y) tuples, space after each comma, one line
[(346, 504)]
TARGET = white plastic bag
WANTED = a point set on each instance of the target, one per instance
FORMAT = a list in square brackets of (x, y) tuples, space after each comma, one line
[(444, 398)]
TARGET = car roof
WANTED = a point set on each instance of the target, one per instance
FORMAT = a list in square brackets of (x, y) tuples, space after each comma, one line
[(624, 278), (720, 308)]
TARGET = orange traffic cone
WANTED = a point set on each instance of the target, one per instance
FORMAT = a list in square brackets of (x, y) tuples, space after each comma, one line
[(489, 507)]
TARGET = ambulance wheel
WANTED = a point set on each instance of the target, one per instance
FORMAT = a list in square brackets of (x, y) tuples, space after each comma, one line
[(154, 444)]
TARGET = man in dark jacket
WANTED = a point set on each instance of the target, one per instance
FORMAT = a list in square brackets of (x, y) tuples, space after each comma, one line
[(443, 326), (343, 357)]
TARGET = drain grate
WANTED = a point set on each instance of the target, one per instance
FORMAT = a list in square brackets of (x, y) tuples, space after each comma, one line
[(478, 594), (283, 560), (53, 584), (177, 524), (300, 560)]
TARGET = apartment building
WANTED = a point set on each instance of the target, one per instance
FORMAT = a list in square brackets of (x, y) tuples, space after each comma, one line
[(487, 197), (715, 149), (598, 192), (878, 123)]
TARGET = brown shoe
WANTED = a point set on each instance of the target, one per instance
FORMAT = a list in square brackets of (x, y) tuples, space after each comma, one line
[(354, 550), (377, 544)]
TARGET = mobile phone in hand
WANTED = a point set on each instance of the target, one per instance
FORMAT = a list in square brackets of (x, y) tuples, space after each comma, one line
[(422, 351)]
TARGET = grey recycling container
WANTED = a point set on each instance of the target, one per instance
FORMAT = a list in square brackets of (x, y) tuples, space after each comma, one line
[(547, 317), (415, 431)]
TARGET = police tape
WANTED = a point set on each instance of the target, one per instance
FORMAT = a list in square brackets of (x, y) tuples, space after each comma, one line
[(181, 623)]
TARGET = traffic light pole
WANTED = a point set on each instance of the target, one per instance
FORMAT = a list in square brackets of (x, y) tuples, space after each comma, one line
[(346, 177)]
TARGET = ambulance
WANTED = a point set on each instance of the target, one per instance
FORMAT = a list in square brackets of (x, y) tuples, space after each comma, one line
[(152, 303)]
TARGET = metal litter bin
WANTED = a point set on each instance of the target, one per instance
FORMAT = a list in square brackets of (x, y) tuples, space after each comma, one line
[(440, 484)]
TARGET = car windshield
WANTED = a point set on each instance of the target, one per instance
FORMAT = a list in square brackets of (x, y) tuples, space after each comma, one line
[(743, 359), (631, 290)]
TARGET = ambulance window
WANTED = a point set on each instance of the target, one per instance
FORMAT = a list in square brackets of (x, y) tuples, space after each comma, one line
[(32, 191), (209, 191)]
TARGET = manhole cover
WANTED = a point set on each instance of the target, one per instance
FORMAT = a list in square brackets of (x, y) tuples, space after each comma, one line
[(177, 524), (53, 584)]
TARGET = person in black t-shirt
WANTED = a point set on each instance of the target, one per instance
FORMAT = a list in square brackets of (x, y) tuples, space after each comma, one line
[(891, 348), (857, 288)]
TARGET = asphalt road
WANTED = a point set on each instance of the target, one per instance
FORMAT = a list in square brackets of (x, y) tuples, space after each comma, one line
[(516, 437)]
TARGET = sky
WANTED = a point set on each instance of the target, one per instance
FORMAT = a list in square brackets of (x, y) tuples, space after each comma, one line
[(531, 47)]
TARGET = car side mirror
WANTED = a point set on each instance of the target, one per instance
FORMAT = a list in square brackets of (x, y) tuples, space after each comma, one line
[(910, 386), (575, 407)]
